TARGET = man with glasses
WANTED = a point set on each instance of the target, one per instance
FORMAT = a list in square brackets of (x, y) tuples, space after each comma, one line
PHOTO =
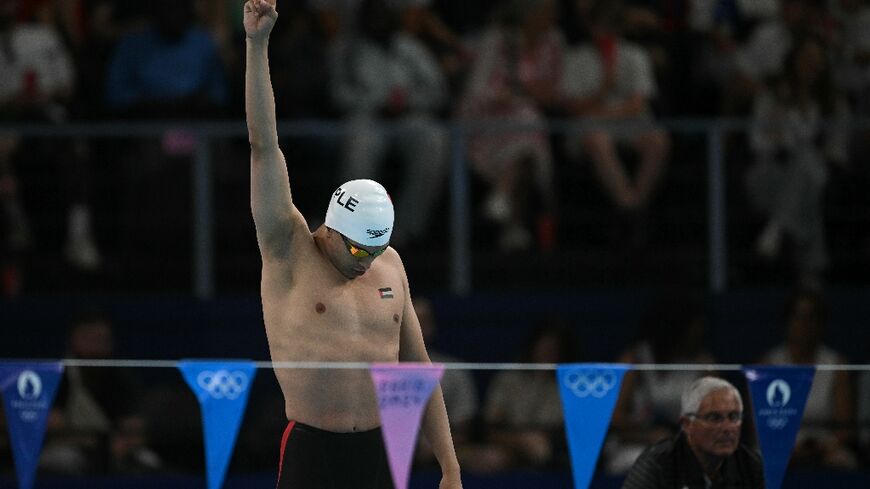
[(339, 294), (707, 453)]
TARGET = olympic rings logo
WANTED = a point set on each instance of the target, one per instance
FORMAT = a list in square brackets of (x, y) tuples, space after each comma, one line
[(777, 423), (591, 382), (223, 384)]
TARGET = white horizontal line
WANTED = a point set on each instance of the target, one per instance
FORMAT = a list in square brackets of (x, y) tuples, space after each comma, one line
[(133, 363)]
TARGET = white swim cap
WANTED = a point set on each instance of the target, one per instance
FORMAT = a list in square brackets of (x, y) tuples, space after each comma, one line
[(362, 211)]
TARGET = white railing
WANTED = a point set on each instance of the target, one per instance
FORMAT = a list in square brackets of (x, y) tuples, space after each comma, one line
[(690, 367)]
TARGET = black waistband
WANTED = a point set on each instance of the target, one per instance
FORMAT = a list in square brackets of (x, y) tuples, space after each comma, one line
[(306, 428)]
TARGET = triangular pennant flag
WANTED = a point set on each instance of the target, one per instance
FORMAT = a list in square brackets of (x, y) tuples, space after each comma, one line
[(779, 395), (222, 388), (589, 393), (403, 392), (28, 393)]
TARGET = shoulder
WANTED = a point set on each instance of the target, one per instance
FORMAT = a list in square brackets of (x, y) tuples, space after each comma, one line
[(34, 31), (827, 355), (405, 42), (580, 63), (750, 455), (410, 48), (582, 53), (36, 36), (651, 465), (389, 266), (491, 38), (776, 355), (393, 261), (663, 449), (753, 467), (633, 52)]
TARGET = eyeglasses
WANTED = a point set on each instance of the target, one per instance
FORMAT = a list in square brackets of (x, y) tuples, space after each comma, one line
[(716, 418), (358, 252)]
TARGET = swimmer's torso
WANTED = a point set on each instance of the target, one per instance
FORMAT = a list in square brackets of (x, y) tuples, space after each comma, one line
[(318, 315)]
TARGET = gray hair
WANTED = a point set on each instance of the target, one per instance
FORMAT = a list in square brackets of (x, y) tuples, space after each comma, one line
[(703, 387)]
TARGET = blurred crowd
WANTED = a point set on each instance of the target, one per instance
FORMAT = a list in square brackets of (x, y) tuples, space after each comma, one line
[(798, 69)]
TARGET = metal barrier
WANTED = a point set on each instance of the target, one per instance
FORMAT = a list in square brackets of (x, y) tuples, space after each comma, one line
[(460, 207)]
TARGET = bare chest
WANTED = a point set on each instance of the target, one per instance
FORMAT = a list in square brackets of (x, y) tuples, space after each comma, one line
[(320, 319)]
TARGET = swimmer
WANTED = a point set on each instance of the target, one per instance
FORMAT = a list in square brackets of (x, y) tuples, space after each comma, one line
[(339, 294)]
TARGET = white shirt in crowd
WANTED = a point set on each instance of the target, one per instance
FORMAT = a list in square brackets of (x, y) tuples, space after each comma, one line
[(37, 57)]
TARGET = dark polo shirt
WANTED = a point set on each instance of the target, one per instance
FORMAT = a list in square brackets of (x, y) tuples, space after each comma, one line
[(670, 464)]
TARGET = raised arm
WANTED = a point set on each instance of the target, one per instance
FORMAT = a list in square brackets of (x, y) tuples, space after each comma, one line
[(271, 204)]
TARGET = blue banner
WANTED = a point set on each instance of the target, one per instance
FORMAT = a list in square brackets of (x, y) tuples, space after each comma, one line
[(589, 393), (28, 393), (222, 388), (779, 395)]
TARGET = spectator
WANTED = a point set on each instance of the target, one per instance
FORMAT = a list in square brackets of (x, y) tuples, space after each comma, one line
[(763, 57), (420, 19), (673, 332), (827, 435), (715, 30), (100, 25), (335, 17), (611, 80), (513, 80), (383, 74), (854, 57), (792, 148), (94, 426), (169, 69), (37, 84), (522, 409), (223, 19), (852, 65), (172, 68), (658, 27), (302, 76), (707, 451)]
